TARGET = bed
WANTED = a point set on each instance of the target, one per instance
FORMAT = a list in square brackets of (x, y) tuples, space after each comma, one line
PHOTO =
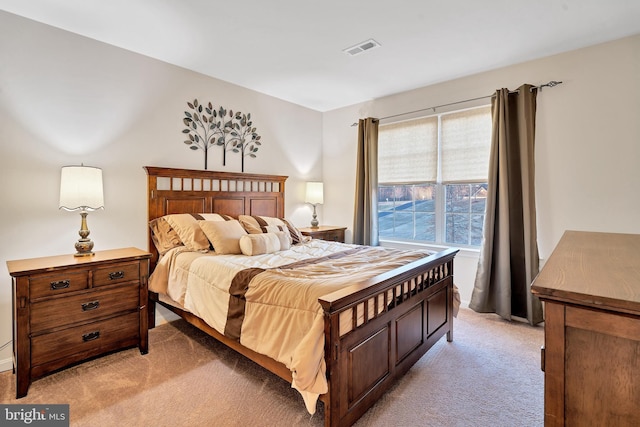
[(372, 330)]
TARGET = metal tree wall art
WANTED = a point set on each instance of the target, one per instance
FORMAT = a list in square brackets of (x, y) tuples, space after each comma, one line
[(207, 128), (242, 136), (204, 130)]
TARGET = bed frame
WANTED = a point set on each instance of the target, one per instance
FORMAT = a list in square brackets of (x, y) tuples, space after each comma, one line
[(416, 299)]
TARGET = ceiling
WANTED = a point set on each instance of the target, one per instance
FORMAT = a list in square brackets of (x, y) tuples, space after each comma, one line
[(293, 49)]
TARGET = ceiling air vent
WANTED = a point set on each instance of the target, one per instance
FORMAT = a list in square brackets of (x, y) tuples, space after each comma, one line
[(361, 47)]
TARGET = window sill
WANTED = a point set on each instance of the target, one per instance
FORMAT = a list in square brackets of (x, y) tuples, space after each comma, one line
[(466, 252)]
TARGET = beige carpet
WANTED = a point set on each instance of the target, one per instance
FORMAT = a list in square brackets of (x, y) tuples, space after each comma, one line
[(489, 376)]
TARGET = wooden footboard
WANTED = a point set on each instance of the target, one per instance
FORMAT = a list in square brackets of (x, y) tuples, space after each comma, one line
[(392, 321)]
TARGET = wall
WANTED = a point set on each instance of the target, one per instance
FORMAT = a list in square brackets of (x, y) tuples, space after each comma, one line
[(66, 99), (587, 141)]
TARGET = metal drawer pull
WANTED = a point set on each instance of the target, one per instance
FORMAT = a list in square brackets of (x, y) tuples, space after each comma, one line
[(116, 275), (88, 306), (60, 284), (91, 336)]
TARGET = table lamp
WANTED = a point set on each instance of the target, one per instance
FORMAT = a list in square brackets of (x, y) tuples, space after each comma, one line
[(314, 197), (81, 190)]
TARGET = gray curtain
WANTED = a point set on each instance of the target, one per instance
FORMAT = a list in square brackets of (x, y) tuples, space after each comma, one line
[(509, 254), (365, 223)]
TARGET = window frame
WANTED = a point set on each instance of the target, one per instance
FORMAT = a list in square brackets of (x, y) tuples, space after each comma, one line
[(440, 197)]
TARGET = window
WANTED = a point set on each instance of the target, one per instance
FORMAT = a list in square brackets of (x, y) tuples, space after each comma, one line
[(432, 175)]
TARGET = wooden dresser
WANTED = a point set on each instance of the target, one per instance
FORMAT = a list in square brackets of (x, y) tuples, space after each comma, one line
[(325, 232), (67, 309), (591, 358)]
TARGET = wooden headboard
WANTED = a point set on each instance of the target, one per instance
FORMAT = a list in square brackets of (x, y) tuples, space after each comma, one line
[(172, 191)]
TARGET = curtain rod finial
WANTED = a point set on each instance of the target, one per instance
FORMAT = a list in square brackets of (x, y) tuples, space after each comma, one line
[(552, 83)]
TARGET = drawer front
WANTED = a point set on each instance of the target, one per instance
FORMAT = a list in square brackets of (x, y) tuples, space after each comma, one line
[(88, 306), (90, 340), (333, 236), (116, 273), (58, 283)]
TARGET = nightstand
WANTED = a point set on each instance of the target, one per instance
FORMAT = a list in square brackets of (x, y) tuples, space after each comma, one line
[(325, 232), (67, 309)]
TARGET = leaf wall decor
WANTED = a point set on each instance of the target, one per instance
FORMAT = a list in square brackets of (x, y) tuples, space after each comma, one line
[(207, 127)]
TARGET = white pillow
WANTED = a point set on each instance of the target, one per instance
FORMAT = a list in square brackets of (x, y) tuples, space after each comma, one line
[(264, 243)]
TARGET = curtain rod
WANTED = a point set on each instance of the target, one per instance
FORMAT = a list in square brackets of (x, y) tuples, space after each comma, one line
[(552, 83)]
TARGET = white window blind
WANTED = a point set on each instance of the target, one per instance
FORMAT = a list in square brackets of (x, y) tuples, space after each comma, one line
[(408, 151), (465, 147), (432, 177)]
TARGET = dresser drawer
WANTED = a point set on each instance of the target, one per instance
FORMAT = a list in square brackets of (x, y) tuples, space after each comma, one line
[(333, 236), (58, 283), (325, 232), (116, 274), (56, 312), (89, 340)]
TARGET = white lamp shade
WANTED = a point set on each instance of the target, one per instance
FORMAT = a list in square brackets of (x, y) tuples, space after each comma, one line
[(315, 193), (81, 188)]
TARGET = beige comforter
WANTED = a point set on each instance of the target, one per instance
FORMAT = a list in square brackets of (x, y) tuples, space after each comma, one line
[(270, 302)]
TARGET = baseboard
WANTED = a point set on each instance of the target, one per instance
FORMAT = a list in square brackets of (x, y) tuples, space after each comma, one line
[(6, 364), (163, 315)]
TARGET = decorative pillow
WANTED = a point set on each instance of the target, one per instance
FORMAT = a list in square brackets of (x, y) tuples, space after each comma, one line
[(186, 225), (224, 235), (164, 237), (255, 224), (213, 217), (264, 243)]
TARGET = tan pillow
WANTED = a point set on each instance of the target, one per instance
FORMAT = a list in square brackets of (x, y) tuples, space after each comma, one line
[(264, 243), (224, 235), (255, 224), (213, 217), (164, 237), (190, 233)]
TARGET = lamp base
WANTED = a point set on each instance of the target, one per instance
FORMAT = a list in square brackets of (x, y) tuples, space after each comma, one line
[(314, 220), (84, 244), (83, 247)]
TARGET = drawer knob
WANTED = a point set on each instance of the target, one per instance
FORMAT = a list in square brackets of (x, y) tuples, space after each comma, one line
[(59, 284), (91, 336), (116, 275), (88, 306)]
